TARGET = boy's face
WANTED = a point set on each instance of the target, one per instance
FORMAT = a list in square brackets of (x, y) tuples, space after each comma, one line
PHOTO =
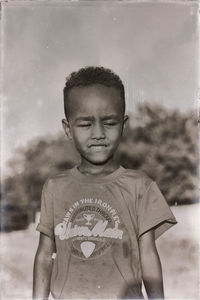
[(95, 122)]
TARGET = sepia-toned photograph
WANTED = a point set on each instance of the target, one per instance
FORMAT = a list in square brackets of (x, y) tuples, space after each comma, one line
[(99, 150)]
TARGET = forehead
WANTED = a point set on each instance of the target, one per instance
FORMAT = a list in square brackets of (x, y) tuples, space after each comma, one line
[(95, 100)]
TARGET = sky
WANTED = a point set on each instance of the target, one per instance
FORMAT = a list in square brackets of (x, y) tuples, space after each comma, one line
[(152, 46)]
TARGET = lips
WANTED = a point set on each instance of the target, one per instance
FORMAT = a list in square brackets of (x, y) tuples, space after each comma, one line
[(97, 145)]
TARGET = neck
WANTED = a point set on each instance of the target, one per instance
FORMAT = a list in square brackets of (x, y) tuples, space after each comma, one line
[(93, 169)]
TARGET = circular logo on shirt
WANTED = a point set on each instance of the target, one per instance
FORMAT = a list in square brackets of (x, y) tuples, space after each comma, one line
[(90, 226)]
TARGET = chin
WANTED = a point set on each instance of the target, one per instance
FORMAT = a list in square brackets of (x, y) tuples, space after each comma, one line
[(99, 160)]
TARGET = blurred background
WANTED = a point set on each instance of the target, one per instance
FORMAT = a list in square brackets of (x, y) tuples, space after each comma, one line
[(153, 46)]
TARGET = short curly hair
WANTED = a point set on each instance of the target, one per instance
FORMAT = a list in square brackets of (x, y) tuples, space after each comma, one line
[(93, 75)]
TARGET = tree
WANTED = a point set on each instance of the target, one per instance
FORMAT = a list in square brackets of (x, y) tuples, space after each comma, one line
[(164, 145), (30, 167)]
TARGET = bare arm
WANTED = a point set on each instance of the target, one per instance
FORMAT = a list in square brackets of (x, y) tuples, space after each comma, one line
[(43, 267), (151, 266)]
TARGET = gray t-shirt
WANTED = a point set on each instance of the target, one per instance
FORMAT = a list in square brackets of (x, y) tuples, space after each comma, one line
[(96, 223)]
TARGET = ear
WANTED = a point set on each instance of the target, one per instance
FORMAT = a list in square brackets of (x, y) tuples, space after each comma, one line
[(125, 121), (66, 128)]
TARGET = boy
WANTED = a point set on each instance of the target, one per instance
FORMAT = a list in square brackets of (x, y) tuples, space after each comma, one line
[(99, 219)]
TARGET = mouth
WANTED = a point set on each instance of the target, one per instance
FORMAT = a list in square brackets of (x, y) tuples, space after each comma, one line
[(98, 147)]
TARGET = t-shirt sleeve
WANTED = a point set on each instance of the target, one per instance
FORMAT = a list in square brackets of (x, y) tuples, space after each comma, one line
[(154, 212), (46, 224)]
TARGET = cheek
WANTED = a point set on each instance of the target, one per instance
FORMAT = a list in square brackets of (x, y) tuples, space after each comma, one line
[(115, 135), (80, 136)]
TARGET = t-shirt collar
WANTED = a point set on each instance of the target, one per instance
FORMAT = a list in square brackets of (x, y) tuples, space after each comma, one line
[(95, 178)]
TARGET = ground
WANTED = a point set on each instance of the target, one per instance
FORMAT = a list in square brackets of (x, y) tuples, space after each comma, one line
[(178, 249)]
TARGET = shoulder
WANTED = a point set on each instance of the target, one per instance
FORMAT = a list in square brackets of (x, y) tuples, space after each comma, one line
[(135, 180), (58, 179), (137, 177)]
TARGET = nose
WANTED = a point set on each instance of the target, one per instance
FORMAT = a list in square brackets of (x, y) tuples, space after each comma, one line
[(98, 132)]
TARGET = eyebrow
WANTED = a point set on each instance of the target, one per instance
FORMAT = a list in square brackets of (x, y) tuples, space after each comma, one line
[(111, 117), (84, 119), (88, 118)]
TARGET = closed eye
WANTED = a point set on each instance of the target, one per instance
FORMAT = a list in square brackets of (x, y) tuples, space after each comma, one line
[(110, 123), (84, 125)]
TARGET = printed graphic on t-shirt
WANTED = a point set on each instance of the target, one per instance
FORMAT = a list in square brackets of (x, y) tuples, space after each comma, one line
[(90, 226)]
